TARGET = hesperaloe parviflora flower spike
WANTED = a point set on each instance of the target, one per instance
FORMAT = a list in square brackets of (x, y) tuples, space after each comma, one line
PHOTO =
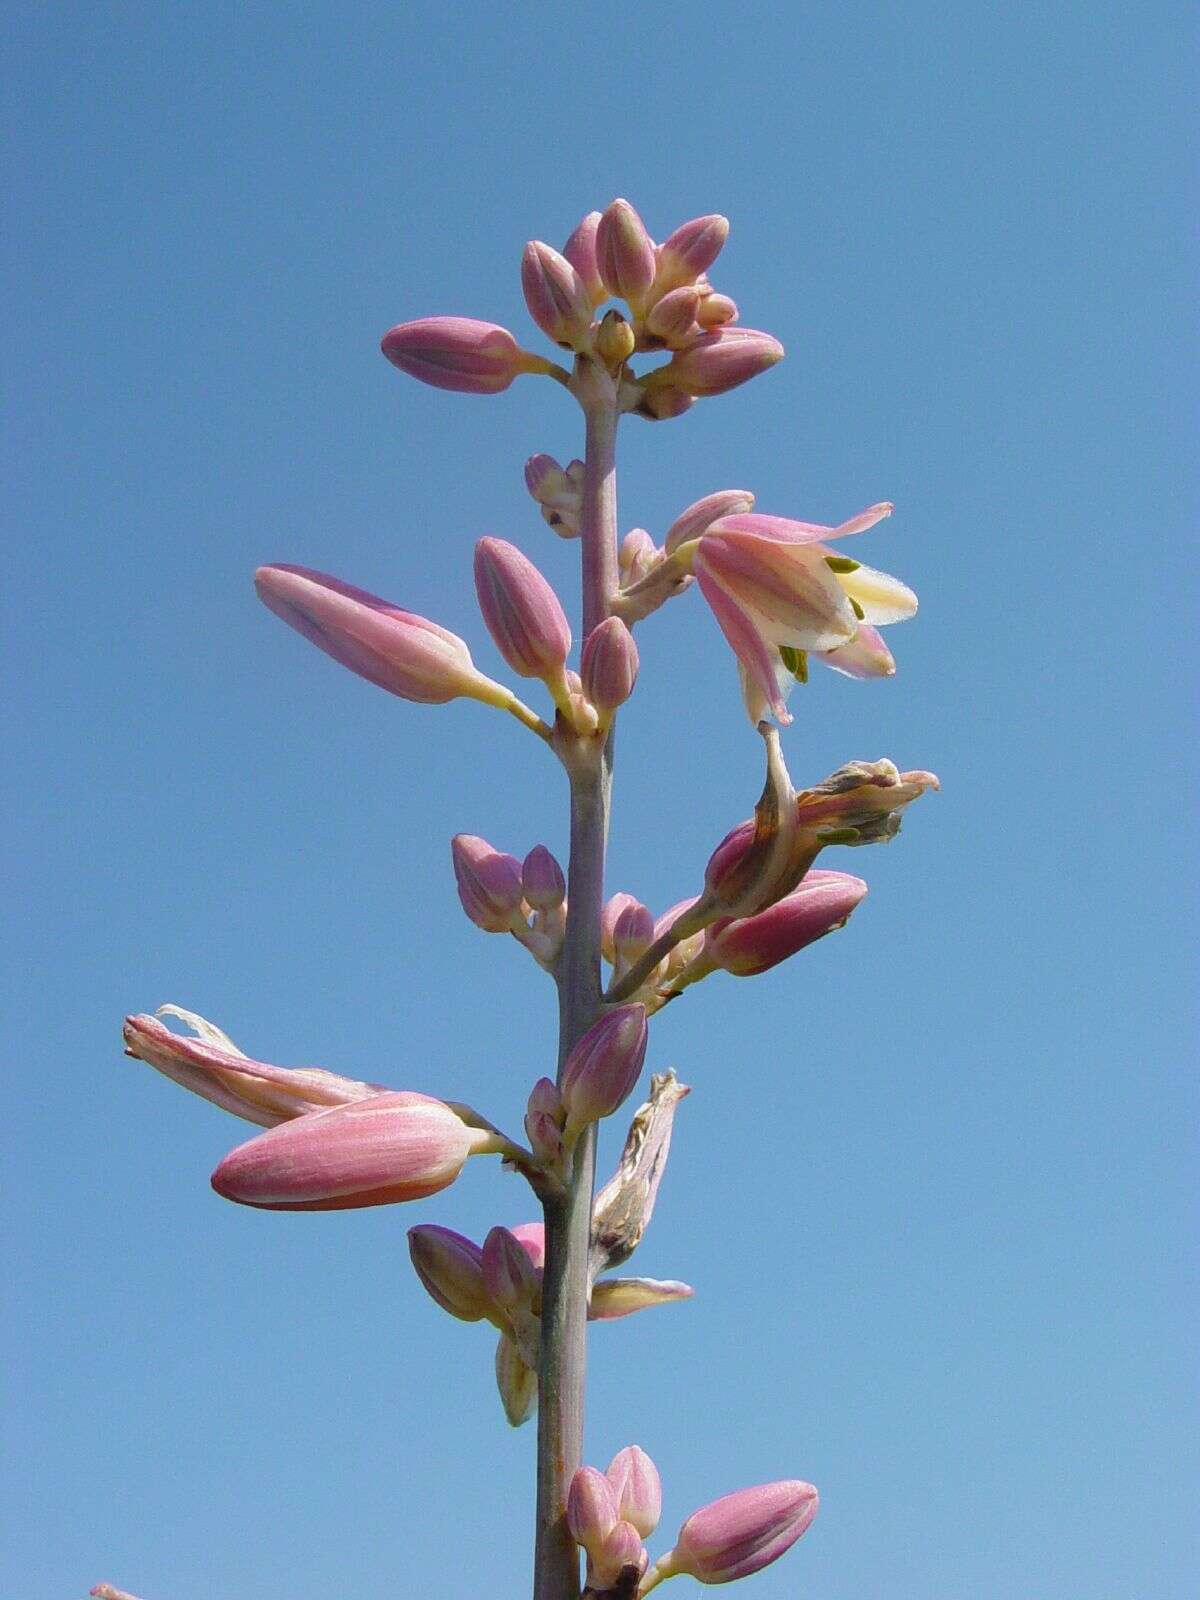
[(522, 612), (600, 1072)]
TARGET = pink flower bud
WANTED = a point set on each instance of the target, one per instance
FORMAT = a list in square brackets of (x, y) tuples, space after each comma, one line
[(625, 253), (508, 1273), (608, 922), (591, 1509), (723, 874), (689, 252), (716, 311), (621, 1297), (542, 880), (373, 1152), (516, 1381), (742, 1533), (213, 1067), (609, 664), (637, 1488), (489, 883), (615, 340), (638, 554), (401, 652), (451, 1269), (700, 516), (749, 945), (456, 353), (717, 362), (633, 934), (532, 1238), (603, 1067), (556, 295), (521, 610), (673, 318), (580, 251), (619, 1553)]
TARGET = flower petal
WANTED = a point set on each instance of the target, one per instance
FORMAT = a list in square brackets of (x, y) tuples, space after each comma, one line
[(866, 656), (786, 590), (883, 598), (755, 657)]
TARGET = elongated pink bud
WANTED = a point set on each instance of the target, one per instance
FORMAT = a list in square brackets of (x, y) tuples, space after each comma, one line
[(542, 880), (621, 1297), (556, 295), (618, 1561), (609, 664), (401, 652), (749, 945), (213, 1067), (603, 1067), (673, 318), (580, 251), (633, 933), (457, 353), (387, 1148), (697, 518), (741, 1533), (451, 1269), (608, 922), (637, 1488), (489, 883), (716, 311), (717, 362), (687, 254), (516, 1381), (625, 253), (591, 1509), (521, 610), (508, 1273)]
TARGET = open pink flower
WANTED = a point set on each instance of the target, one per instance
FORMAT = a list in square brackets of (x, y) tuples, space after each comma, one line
[(774, 586)]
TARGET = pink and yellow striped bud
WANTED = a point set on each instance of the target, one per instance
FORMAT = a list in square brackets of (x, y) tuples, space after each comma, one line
[(740, 1533), (458, 353), (542, 880), (625, 254), (673, 318), (716, 362), (522, 612), (489, 884), (600, 1072), (387, 1148), (580, 251), (516, 1381), (687, 254), (699, 517), (508, 1274), (632, 935), (637, 1488), (747, 946), (618, 1562), (621, 1297), (609, 665), (716, 311), (451, 1270), (556, 295), (213, 1067), (591, 1509), (405, 654)]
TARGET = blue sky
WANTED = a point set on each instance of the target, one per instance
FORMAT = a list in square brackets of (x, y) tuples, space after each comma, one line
[(934, 1184)]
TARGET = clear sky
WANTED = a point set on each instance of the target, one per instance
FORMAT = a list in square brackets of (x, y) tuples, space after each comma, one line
[(933, 1185)]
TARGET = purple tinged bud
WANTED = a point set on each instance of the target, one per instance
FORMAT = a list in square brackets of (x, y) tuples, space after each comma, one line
[(716, 311), (689, 252), (742, 1533), (451, 1269), (724, 873), (532, 1238), (580, 251), (625, 253), (717, 362), (638, 554), (521, 610), (633, 934), (508, 1274), (749, 945), (620, 1553), (489, 883), (591, 1509), (637, 1488), (608, 922), (516, 1381), (609, 664), (542, 880), (556, 295), (456, 353), (401, 652), (544, 478), (576, 471), (601, 1070), (386, 1148), (701, 515), (673, 318), (545, 1137)]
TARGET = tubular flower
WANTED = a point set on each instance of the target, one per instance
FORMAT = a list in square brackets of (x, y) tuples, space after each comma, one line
[(778, 594), (740, 1533)]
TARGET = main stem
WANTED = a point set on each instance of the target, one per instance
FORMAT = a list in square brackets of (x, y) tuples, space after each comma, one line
[(563, 1369)]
